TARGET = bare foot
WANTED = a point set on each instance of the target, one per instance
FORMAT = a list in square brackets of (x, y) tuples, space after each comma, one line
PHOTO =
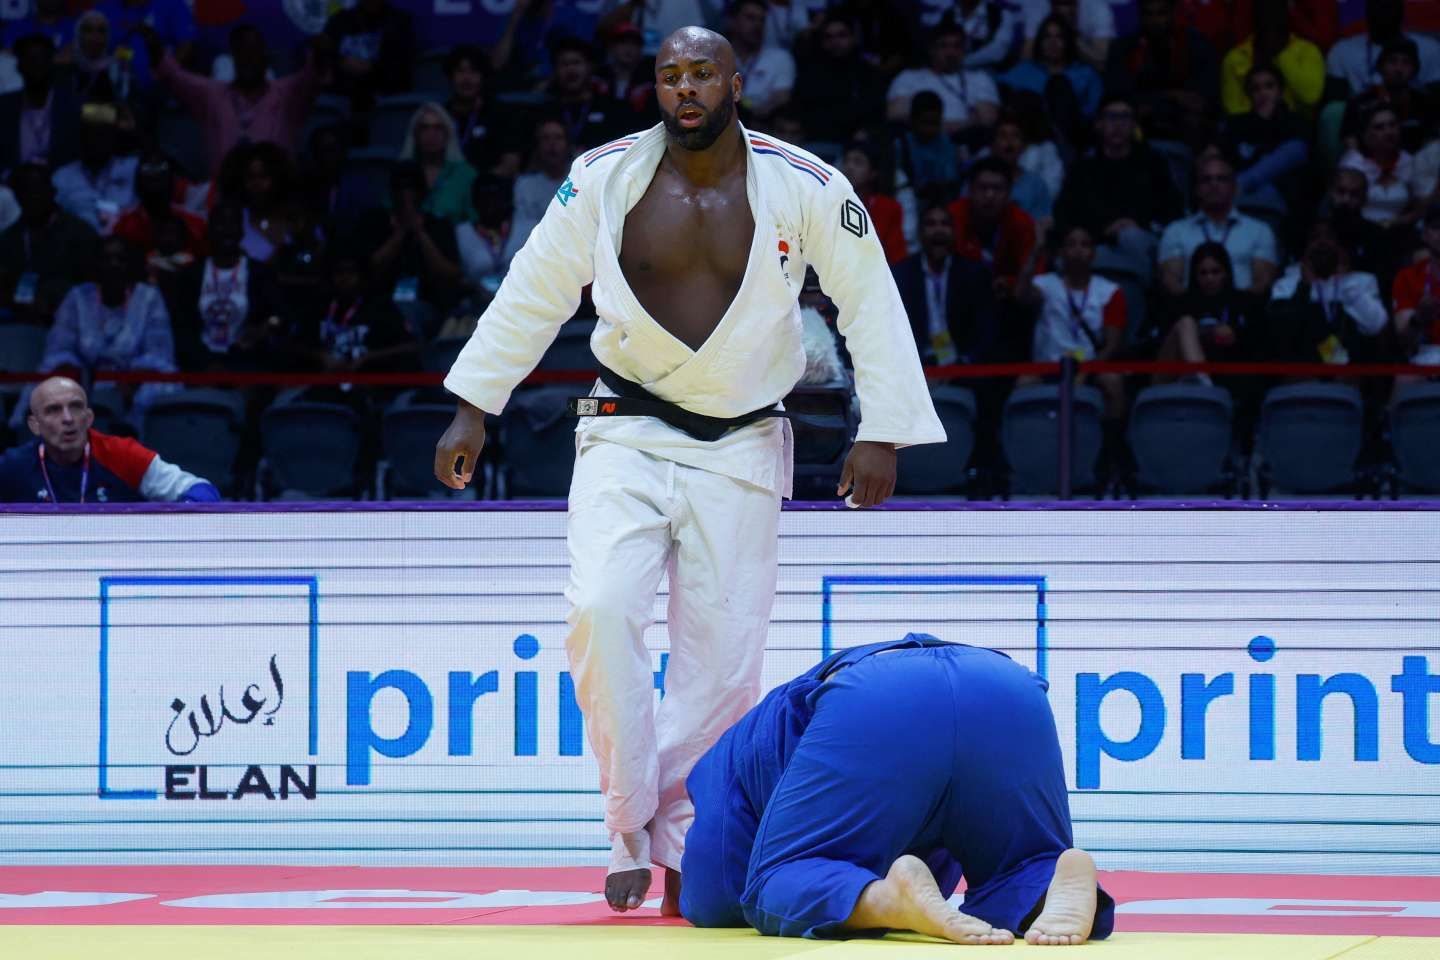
[(1069, 903), (626, 890), (909, 899), (670, 906)]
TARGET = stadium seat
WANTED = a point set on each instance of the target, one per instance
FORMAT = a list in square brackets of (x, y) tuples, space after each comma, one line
[(438, 356), (1180, 435), (429, 76), (820, 450), (22, 346), (182, 139), (1309, 439), (1030, 436), (571, 349), (1181, 160), (109, 407), (537, 443), (309, 448), (935, 468), (1415, 437), (409, 431), (390, 120), (199, 431)]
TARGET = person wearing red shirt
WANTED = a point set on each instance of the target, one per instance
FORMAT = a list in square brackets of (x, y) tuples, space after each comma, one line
[(1227, 22), (1416, 298), (990, 227), (155, 188), (860, 166)]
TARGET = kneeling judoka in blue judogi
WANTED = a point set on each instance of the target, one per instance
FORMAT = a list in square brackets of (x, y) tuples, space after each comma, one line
[(852, 799)]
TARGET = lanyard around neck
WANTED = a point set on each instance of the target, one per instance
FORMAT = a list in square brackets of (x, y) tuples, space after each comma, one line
[(84, 475)]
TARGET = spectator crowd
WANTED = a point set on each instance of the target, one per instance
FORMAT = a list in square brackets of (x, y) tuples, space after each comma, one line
[(1195, 180)]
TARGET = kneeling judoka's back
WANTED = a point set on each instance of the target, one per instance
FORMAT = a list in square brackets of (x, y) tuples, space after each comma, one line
[(943, 751)]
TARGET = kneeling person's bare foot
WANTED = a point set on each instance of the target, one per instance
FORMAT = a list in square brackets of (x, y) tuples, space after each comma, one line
[(909, 899), (670, 906), (626, 890), (1069, 909)]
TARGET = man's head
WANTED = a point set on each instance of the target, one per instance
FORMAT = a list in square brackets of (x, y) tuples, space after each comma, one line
[(465, 70), (92, 35), (1115, 125), (745, 21), (34, 192), (1008, 140), (347, 266), (927, 115), (937, 230), (860, 166), (226, 228), (252, 59), (1272, 26), (990, 182), (1215, 185), (60, 416), (1077, 249), (1349, 191), (837, 37), (1384, 18), (624, 45), (98, 134), (1323, 250), (1430, 232), (573, 63), (1156, 18), (947, 47), (119, 265), (327, 151), (493, 199), (155, 181), (696, 86), (407, 185), (552, 147), (35, 61), (1399, 63)]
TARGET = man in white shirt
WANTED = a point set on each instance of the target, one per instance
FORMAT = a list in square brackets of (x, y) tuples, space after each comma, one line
[(769, 71), (695, 236), (1342, 313), (1250, 242), (100, 186), (1355, 60), (970, 97), (534, 190)]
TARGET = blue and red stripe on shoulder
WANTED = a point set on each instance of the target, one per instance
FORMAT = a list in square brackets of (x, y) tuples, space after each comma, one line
[(122, 456), (614, 146), (768, 148)]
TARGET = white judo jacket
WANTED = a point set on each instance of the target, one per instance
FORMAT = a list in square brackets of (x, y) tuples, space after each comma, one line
[(805, 214)]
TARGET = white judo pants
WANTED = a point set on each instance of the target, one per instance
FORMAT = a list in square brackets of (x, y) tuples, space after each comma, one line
[(633, 517)]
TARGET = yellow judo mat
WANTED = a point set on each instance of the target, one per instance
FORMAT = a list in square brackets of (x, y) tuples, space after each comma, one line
[(448, 942)]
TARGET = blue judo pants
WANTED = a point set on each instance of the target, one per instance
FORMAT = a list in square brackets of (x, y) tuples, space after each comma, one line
[(949, 753)]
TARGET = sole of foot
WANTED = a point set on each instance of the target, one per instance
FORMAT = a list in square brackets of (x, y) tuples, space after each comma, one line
[(626, 890), (919, 906), (1069, 907)]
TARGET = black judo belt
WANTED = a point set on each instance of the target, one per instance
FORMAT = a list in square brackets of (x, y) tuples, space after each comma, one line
[(633, 400)]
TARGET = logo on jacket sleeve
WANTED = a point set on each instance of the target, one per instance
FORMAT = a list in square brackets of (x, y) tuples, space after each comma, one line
[(567, 192), (853, 218)]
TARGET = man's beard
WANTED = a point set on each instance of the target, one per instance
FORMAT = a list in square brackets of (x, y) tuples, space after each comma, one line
[(704, 135)]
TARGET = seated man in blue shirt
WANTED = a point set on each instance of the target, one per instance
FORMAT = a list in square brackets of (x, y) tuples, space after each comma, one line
[(71, 462), (853, 798)]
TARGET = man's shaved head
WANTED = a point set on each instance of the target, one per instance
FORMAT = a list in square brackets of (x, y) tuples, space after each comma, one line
[(61, 416), (696, 43), (696, 86)]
